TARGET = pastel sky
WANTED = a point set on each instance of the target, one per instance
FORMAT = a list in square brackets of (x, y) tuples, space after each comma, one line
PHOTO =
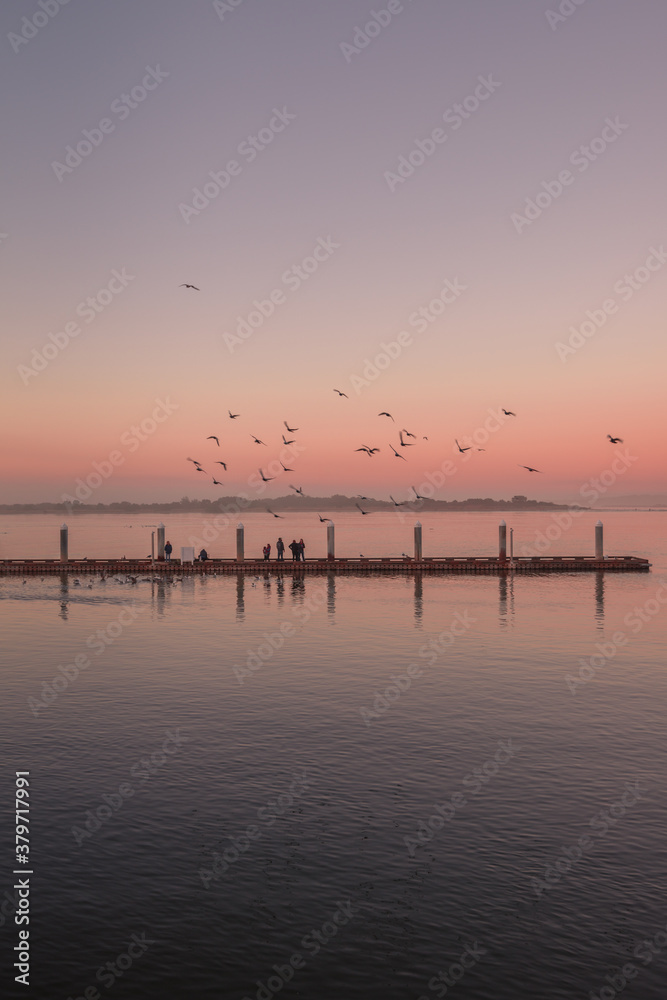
[(563, 110)]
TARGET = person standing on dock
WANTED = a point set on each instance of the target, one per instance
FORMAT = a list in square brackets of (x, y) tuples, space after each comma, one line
[(280, 550), (203, 555), (302, 550), (267, 551), (168, 549), (294, 546)]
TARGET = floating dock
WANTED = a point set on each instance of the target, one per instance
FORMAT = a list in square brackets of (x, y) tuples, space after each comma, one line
[(406, 565)]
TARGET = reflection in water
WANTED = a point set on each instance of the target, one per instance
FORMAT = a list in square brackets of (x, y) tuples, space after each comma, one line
[(280, 587), (331, 595), (240, 597), (64, 593), (505, 598), (599, 599), (298, 589), (419, 599)]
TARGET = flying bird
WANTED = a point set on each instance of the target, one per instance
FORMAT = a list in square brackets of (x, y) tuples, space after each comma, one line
[(194, 287), (418, 495), (285, 469), (257, 441), (460, 448), (341, 393), (359, 497), (396, 503), (324, 520), (385, 414), (290, 430), (285, 441), (369, 451), (405, 444), (212, 437), (396, 454), (265, 479), (233, 416), (529, 468), (193, 460), (615, 440), (275, 515), (362, 511), (508, 413), (297, 490), (217, 483), (223, 464), (407, 433)]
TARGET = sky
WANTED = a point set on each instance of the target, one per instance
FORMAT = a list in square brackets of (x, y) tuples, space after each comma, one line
[(442, 210)]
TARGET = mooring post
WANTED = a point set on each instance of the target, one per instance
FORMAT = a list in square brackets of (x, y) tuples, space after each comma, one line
[(502, 542), (418, 541), (64, 541), (160, 542), (331, 546), (240, 547), (599, 540)]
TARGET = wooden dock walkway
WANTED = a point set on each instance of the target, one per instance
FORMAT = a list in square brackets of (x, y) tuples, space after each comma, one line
[(363, 566)]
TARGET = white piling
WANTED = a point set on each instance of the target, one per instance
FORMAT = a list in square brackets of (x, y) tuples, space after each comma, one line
[(502, 542), (240, 545), (160, 542), (64, 543), (599, 540), (418, 541), (331, 547)]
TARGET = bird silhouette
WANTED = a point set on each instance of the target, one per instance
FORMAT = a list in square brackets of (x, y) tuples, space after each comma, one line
[(266, 479), (408, 434), (529, 468), (385, 414), (405, 444), (212, 437), (290, 430), (193, 460), (275, 515), (233, 416), (341, 393), (615, 440), (508, 413), (359, 497), (285, 441), (297, 489), (418, 495), (285, 469), (217, 483), (396, 454), (361, 511), (324, 520), (223, 464), (397, 503), (194, 287), (460, 448), (369, 451), (257, 441)]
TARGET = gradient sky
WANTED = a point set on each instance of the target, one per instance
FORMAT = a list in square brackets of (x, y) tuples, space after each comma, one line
[(324, 177)]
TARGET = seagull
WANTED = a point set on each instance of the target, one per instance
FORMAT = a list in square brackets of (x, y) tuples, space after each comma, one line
[(299, 490), (257, 441), (223, 464), (405, 444), (385, 414), (362, 511), (424, 439), (275, 515), (341, 393), (285, 469), (199, 469), (290, 430), (265, 479), (285, 441), (419, 497), (508, 413), (407, 433), (615, 440), (193, 460), (324, 520), (396, 454), (396, 503), (212, 437), (185, 285), (369, 451), (529, 468), (217, 483), (233, 416), (460, 448)]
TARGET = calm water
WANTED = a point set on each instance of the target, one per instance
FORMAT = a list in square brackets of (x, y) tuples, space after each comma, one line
[(246, 720)]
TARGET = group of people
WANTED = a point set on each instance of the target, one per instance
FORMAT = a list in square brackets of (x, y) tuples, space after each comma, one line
[(297, 549)]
